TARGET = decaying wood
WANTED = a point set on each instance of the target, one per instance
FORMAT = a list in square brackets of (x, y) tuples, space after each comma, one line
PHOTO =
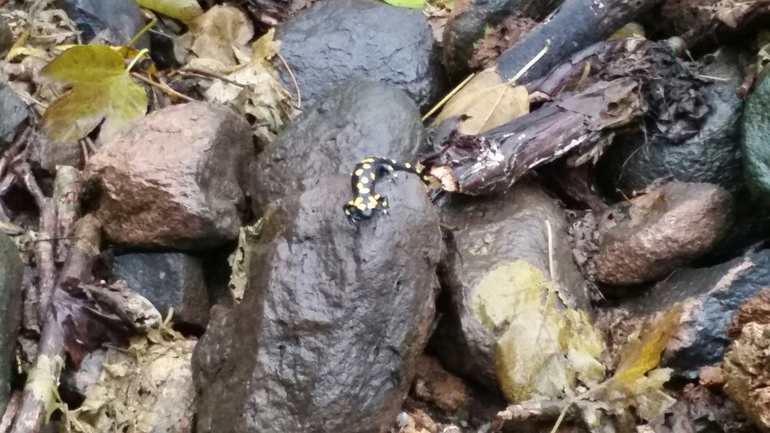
[(575, 25), (602, 92), (492, 162), (45, 373), (10, 412), (14, 149), (44, 248)]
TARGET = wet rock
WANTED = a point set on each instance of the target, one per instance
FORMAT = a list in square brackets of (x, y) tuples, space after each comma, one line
[(75, 385), (174, 179), (747, 373), (710, 298), (500, 251), (652, 235), (45, 154), (168, 280), (108, 22), (11, 274), (15, 112), (6, 37), (439, 388), (471, 18), (756, 133), (357, 119), (712, 155), (332, 321), (331, 42)]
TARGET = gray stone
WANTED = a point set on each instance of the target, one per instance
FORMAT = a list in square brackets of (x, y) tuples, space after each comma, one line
[(110, 22), (15, 112), (756, 135), (333, 41), (357, 119), (168, 280), (45, 154), (11, 274), (333, 320)]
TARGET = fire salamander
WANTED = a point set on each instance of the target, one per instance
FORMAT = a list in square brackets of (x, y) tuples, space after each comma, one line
[(363, 178)]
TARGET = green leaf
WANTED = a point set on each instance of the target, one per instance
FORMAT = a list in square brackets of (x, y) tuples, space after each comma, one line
[(102, 90), (411, 4), (183, 10)]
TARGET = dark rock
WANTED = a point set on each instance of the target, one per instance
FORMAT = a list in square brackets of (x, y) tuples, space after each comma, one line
[(711, 296), (175, 179), (652, 235), (333, 41), (493, 233), (11, 274), (471, 18), (756, 133), (712, 155), (6, 37), (168, 280), (75, 385), (45, 154), (333, 319), (15, 112), (109, 22), (357, 119)]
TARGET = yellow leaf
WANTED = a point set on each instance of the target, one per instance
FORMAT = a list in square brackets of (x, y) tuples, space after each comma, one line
[(487, 102), (101, 90), (644, 353), (411, 4), (183, 10), (264, 48), (20, 43)]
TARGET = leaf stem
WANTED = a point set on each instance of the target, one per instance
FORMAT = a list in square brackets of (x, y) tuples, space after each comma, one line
[(137, 58)]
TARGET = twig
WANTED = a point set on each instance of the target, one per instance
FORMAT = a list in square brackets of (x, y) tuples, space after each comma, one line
[(202, 73), (44, 376), (14, 149), (90, 144), (447, 97), (10, 412), (24, 172), (293, 79), (44, 257), (162, 86)]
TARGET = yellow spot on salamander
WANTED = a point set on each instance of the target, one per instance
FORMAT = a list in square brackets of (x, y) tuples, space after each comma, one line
[(367, 160), (359, 172), (372, 199), (361, 206), (358, 201), (372, 176), (372, 205), (363, 190), (408, 165), (364, 180), (347, 212), (366, 166), (393, 161), (359, 186), (384, 204), (418, 170)]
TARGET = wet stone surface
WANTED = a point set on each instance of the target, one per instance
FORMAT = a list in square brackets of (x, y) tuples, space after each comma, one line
[(333, 319)]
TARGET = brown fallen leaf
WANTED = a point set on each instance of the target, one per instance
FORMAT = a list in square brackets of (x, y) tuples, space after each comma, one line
[(183, 10), (221, 35), (486, 102)]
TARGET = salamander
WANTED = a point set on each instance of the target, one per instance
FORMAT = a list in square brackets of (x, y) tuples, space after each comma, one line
[(370, 170)]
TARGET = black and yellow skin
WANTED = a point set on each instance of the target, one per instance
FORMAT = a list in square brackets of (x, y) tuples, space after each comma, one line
[(370, 170)]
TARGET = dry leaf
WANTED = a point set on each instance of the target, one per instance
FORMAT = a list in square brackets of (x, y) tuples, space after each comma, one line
[(101, 90), (220, 33), (183, 10), (644, 353), (487, 101)]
